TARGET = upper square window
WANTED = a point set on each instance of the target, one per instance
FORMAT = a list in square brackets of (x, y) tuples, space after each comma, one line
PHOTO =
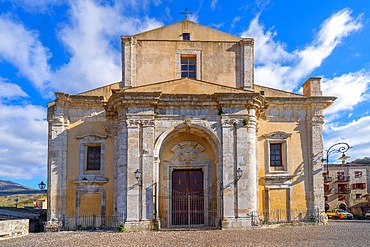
[(189, 66), (186, 36)]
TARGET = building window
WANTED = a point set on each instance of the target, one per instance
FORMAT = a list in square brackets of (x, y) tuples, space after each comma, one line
[(358, 174), (188, 66), (275, 154), (360, 186), (342, 188), (358, 196), (340, 175), (341, 198), (93, 158), (186, 36)]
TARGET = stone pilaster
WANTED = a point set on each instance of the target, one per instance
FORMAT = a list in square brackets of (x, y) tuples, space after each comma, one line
[(247, 63), (120, 168), (315, 146), (128, 61), (57, 166), (133, 163), (229, 164), (147, 170), (251, 161)]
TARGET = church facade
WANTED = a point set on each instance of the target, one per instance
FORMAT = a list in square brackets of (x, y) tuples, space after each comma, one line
[(186, 139)]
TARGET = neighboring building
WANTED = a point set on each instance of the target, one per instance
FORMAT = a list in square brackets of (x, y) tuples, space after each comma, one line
[(186, 139), (347, 186), (41, 204)]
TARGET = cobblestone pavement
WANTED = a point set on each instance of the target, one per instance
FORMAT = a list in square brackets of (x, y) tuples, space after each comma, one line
[(337, 233)]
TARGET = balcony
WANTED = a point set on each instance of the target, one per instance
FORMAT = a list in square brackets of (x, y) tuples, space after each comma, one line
[(328, 179), (343, 179), (342, 191)]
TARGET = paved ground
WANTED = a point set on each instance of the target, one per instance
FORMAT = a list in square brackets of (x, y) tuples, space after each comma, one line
[(337, 233)]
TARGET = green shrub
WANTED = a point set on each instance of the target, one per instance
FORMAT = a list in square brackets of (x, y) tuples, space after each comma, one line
[(245, 121), (121, 228)]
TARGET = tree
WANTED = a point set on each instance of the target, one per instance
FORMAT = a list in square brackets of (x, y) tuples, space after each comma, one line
[(365, 160)]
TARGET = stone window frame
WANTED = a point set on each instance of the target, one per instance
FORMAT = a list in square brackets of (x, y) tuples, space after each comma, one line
[(274, 138), (87, 140), (198, 55)]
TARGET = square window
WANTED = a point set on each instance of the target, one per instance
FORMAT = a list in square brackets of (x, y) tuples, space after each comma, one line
[(275, 154), (188, 66), (186, 36), (340, 176), (358, 196), (93, 158), (358, 174)]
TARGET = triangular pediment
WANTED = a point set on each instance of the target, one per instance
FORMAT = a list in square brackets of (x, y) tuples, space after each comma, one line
[(197, 32), (185, 86)]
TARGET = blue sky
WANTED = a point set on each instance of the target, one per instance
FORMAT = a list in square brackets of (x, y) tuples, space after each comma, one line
[(71, 46)]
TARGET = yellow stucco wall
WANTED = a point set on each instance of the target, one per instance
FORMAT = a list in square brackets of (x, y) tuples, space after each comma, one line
[(73, 159), (295, 158), (156, 61)]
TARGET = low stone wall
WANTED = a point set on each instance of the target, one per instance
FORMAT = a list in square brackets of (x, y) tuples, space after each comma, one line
[(13, 228)]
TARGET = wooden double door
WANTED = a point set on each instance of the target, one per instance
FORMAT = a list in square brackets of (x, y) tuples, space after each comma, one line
[(187, 197)]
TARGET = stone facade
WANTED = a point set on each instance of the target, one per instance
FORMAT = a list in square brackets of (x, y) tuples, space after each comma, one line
[(347, 185), (186, 145)]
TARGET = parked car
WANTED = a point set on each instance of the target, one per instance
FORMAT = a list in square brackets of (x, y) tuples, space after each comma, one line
[(367, 215), (339, 214)]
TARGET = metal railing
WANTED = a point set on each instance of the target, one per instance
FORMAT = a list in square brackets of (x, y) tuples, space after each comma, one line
[(85, 222), (278, 216)]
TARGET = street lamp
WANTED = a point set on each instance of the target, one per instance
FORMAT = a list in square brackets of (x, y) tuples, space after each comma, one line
[(138, 176), (42, 185), (16, 202), (340, 147)]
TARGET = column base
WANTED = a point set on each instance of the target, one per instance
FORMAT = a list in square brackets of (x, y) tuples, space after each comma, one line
[(237, 223), (132, 226)]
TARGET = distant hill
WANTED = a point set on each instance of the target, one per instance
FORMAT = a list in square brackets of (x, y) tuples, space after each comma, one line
[(10, 188)]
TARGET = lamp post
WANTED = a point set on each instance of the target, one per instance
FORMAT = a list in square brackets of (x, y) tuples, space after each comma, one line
[(16, 202), (340, 147), (42, 185)]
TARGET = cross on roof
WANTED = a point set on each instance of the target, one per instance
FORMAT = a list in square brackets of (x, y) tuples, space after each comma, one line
[(186, 13)]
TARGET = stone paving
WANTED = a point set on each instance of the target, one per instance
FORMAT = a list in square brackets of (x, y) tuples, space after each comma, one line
[(337, 233)]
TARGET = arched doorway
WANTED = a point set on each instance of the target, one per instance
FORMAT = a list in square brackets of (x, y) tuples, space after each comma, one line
[(189, 195)]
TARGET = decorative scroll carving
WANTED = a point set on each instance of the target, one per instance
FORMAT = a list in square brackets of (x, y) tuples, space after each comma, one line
[(133, 123), (229, 122), (188, 151), (278, 135), (187, 156), (148, 123)]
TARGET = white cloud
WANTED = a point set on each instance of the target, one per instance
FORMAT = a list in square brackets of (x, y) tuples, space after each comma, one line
[(277, 67), (22, 49), (94, 60), (354, 133), (10, 90), (351, 89), (23, 144)]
